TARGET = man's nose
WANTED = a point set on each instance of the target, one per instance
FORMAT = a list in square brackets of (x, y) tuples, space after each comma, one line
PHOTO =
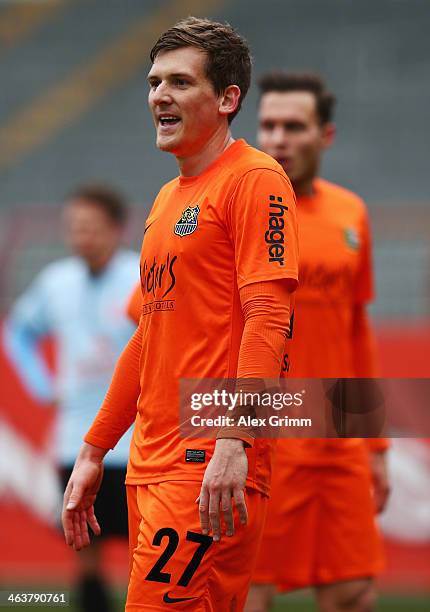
[(161, 94), (279, 137)]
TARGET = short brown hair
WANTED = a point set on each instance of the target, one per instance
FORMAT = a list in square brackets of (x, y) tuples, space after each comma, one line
[(282, 82), (106, 198), (228, 54)]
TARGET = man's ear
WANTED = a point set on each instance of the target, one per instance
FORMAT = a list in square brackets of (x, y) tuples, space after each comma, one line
[(229, 101), (328, 134)]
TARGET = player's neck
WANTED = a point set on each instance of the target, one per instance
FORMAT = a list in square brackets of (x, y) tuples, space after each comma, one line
[(212, 149), (304, 187)]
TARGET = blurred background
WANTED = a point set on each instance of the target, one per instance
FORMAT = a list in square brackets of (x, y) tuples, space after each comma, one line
[(73, 109)]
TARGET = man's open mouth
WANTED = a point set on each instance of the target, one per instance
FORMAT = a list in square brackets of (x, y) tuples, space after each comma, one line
[(169, 120)]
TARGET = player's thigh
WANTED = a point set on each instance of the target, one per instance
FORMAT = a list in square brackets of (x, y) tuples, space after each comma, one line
[(351, 595), (134, 520), (174, 563), (235, 560), (260, 598)]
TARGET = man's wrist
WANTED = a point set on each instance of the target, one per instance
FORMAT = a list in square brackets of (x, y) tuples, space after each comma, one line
[(89, 452), (230, 442)]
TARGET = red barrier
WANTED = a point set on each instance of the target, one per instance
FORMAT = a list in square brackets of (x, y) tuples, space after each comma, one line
[(32, 551), (404, 349)]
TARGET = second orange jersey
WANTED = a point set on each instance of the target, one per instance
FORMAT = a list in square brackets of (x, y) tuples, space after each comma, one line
[(335, 278)]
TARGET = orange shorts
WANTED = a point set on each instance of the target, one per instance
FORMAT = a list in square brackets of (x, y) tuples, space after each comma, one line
[(320, 528), (172, 562)]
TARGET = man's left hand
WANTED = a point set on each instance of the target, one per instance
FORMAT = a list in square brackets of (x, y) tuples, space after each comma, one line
[(224, 479)]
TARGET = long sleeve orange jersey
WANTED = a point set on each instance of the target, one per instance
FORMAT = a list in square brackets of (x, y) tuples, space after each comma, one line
[(332, 336), (207, 239)]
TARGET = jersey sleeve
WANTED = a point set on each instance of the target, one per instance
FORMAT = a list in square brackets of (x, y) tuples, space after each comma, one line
[(266, 312), (365, 283), (262, 222), (119, 407), (134, 305)]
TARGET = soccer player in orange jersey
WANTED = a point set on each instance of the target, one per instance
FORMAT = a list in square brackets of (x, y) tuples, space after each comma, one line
[(216, 283), (320, 529)]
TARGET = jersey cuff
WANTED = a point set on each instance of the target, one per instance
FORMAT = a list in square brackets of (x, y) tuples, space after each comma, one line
[(238, 434), (100, 442), (290, 274)]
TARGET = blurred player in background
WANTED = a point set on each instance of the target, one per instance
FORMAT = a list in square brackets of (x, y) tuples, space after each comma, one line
[(80, 302), (216, 296), (320, 529)]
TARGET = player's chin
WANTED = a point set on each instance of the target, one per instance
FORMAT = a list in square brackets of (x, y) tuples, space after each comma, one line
[(169, 145)]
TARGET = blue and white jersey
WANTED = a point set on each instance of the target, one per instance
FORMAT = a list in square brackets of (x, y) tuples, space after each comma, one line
[(86, 315)]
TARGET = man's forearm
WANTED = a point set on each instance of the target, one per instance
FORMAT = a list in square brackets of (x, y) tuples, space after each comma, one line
[(119, 408), (266, 309)]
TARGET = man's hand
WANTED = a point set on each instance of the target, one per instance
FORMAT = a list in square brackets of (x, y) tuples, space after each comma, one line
[(381, 483), (80, 495), (224, 478)]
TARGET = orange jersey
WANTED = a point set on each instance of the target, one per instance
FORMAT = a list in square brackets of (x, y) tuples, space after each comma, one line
[(206, 238), (336, 282), (134, 306), (335, 276)]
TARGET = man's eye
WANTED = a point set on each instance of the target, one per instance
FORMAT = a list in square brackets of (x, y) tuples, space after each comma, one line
[(154, 84), (294, 127), (181, 82)]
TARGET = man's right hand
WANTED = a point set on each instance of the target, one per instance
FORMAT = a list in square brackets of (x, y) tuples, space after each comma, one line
[(80, 495), (381, 480)]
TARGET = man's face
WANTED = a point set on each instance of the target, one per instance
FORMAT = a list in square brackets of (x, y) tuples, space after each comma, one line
[(290, 131), (90, 233), (182, 100)]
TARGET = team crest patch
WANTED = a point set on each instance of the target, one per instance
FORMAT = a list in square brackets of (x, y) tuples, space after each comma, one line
[(351, 238), (188, 222)]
